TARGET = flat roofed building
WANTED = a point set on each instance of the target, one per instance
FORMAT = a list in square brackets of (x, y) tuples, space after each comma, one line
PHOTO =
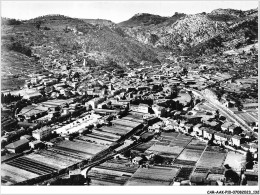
[(31, 112), (34, 95), (207, 132), (56, 103), (42, 133), (250, 106), (235, 140)]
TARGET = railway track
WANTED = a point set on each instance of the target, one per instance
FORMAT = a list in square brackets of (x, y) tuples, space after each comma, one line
[(227, 113)]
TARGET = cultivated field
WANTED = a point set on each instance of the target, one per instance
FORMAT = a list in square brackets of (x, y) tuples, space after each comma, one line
[(191, 155), (98, 178), (153, 176), (211, 159), (85, 147), (12, 175), (170, 151), (50, 161)]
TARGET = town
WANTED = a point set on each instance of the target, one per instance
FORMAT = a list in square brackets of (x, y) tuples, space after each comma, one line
[(158, 124)]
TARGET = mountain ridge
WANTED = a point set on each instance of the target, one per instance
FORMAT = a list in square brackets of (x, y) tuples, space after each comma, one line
[(144, 37)]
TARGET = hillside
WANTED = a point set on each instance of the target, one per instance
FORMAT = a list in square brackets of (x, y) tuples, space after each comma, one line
[(237, 35), (99, 22), (53, 37), (55, 40), (225, 28)]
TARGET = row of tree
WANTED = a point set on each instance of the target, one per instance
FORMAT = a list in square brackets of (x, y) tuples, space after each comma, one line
[(5, 99)]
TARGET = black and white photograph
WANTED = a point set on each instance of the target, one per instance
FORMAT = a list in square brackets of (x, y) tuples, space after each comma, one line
[(103, 94)]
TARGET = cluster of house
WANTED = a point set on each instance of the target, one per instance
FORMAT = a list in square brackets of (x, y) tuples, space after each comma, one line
[(27, 142), (153, 95), (46, 111)]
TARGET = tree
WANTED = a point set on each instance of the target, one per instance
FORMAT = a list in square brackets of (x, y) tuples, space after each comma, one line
[(127, 154), (38, 25), (46, 28), (76, 75), (3, 143), (249, 160), (217, 114), (232, 175), (158, 159), (184, 71)]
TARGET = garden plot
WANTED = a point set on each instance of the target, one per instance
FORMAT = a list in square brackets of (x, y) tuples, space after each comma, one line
[(49, 161), (85, 147), (153, 176), (211, 159), (12, 175), (191, 155), (170, 151)]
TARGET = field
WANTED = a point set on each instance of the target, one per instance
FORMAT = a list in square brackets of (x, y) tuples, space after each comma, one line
[(12, 175), (82, 147), (144, 182), (211, 159), (196, 145), (53, 159), (165, 150), (184, 173), (153, 176), (143, 147), (105, 179), (32, 165), (24, 168), (235, 160), (169, 135), (181, 140), (171, 144), (112, 172), (191, 155), (118, 165)]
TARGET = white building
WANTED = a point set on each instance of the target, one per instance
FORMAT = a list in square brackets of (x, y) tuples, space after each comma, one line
[(42, 133)]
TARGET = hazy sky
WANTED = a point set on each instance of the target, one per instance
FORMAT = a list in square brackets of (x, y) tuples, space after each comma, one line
[(115, 11)]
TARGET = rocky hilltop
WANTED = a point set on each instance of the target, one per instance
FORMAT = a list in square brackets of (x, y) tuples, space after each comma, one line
[(182, 32), (143, 19)]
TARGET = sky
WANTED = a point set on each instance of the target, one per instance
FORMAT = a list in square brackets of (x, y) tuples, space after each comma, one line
[(116, 11)]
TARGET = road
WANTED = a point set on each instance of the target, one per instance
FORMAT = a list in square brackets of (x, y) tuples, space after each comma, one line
[(226, 112)]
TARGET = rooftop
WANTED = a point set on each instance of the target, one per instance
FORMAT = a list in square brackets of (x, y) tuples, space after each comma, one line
[(17, 144)]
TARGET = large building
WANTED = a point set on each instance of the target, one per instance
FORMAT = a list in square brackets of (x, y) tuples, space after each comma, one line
[(18, 146), (42, 133)]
